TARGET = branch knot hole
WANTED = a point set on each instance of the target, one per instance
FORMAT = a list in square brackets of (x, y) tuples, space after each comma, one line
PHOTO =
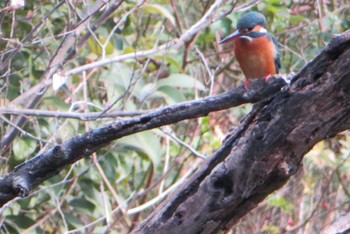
[(20, 186), (59, 154), (179, 216), (223, 183)]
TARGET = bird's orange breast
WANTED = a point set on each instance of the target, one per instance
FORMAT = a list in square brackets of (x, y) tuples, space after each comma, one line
[(256, 58)]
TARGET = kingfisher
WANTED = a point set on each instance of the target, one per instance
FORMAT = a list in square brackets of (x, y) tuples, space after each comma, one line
[(256, 50)]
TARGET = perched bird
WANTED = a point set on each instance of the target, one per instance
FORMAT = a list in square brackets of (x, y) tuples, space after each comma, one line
[(255, 49)]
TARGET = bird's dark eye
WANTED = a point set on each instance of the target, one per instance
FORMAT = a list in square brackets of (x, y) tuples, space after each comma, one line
[(247, 30)]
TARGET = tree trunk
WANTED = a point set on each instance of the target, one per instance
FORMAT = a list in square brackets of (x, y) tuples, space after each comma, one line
[(265, 151)]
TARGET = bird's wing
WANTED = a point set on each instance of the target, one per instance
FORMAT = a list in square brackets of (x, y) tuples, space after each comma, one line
[(277, 55)]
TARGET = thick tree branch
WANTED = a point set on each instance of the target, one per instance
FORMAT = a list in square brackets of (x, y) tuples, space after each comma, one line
[(265, 151), (33, 172)]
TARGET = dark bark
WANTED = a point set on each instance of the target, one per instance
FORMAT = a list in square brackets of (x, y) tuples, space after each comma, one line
[(30, 174), (265, 151)]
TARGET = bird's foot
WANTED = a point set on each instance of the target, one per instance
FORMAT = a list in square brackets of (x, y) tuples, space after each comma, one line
[(267, 78), (246, 84)]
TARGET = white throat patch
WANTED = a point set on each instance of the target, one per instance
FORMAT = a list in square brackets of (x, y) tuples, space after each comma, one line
[(263, 30), (247, 38)]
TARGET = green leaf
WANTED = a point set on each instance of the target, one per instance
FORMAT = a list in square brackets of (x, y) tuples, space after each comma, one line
[(124, 163), (175, 65), (145, 143), (96, 47), (24, 202), (224, 25), (88, 186), (22, 221), (119, 74), (146, 91), (82, 203), (9, 227), (277, 201), (23, 148), (73, 221), (181, 81), (56, 102), (271, 229), (158, 9), (170, 94), (295, 19), (117, 80)]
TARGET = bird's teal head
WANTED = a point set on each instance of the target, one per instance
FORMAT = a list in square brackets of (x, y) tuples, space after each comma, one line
[(252, 25), (250, 20)]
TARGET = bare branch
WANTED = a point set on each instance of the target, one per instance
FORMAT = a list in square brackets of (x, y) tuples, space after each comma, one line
[(69, 115), (49, 163)]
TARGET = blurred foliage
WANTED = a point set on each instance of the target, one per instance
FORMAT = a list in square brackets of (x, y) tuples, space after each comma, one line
[(141, 166)]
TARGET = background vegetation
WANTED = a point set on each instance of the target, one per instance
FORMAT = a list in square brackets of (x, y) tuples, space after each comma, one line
[(113, 190)]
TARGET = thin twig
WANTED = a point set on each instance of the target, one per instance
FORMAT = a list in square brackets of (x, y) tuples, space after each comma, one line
[(161, 196), (102, 219), (69, 115), (51, 212), (25, 133), (182, 143), (210, 72)]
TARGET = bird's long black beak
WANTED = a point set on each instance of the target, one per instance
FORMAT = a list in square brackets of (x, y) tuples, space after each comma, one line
[(230, 37)]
